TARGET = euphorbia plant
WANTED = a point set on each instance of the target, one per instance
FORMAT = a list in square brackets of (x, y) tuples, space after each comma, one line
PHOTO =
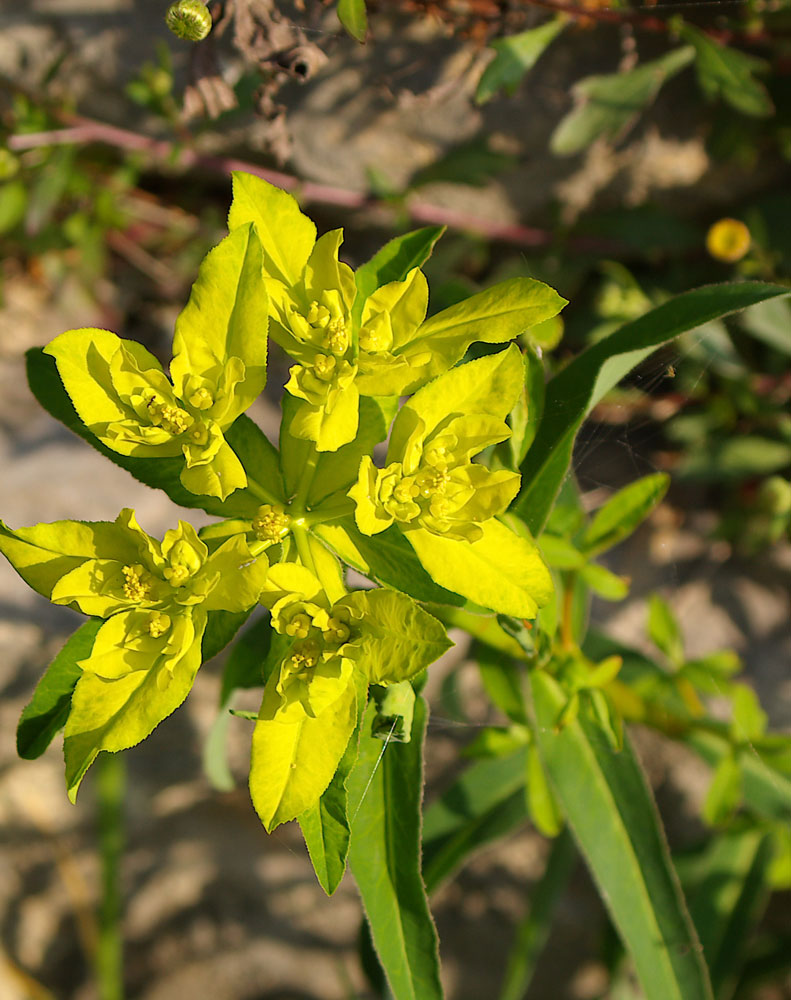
[(441, 529), (271, 274)]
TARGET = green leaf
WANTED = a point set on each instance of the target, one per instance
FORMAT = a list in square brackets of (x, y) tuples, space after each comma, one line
[(385, 792), (664, 630), (604, 583), (740, 457), (221, 627), (532, 932), (243, 669), (502, 678), (749, 719), (390, 560), (560, 553), (244, 666), (725, 791), (326, 826), (395, 711), (48, 710), (159, 473), (515, 55), (13, 205), (727, 73), (766, 791), (526, 415), (573, 392), (771, 323), (542, 804), (483, 804), (394, 262), (45, 555), (501, 570), (614, 820), (488, 385), (607, 105), (396, 638), (352, 15), (261, 463), (622, 513), (726, 900)]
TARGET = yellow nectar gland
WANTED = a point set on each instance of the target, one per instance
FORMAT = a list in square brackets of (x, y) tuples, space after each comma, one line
[(271, 523), (136, 587), (373, 340), (158, 624), (431, 482), (336, 631), (318, 315), (299, 626), (201, 399), (305, 656), (177, 575), (324, 366), (199, 433)]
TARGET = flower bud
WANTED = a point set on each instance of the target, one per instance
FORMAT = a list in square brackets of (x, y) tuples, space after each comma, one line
[(728, 240), (189, 19)]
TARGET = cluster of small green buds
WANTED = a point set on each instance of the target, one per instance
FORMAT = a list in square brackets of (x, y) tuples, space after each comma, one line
[(189, 19)]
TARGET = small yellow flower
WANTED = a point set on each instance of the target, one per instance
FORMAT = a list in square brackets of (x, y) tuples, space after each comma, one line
[(136, 583), (271, 523), (728, 240), (158, 624)]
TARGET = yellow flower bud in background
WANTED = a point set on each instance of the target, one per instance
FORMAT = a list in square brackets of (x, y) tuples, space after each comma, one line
[(189, 19), (728, 240)]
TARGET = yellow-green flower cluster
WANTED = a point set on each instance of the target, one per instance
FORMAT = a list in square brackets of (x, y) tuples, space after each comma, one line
[(124, 398), (348, 341), (155, 599)]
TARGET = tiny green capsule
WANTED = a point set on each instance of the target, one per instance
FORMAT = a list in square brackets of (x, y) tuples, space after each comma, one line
[(189, 19)]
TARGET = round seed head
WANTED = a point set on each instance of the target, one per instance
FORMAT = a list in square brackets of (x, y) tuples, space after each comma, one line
[(189, 19)]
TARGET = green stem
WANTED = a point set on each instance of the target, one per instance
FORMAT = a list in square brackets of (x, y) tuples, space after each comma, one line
[(567, 613), (300, 536), (260, 492), (330, 512), (111, 781), (306, 481)]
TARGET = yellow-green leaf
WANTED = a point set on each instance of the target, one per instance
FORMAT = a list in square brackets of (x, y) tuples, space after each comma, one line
[(502, 571), (287, 236), (293, 762), (226, 317)]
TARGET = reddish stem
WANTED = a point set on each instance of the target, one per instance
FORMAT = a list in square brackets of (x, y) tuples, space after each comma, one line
[(85, 130)]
